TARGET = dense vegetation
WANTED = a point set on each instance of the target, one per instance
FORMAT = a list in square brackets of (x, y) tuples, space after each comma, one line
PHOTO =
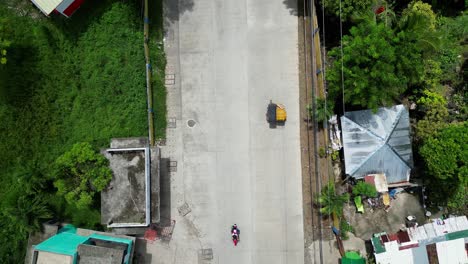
[(68, 81), (416, 55)]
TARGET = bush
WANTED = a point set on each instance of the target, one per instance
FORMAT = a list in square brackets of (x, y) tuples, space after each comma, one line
[(345, 227), (365, 189), (335, 155), (322, 153)]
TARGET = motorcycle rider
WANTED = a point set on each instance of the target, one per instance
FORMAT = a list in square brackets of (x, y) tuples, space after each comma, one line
[(235, 232)]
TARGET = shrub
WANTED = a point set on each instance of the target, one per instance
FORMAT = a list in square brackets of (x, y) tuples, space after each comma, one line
[(345, 227), (365, 189), (322, 153)]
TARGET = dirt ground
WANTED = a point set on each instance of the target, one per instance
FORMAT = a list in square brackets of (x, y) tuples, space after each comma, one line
[(365, 225)]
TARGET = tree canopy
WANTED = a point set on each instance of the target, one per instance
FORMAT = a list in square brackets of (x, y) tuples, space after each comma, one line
[(377, 66), (349, 8), (446, 153), (80, 173)]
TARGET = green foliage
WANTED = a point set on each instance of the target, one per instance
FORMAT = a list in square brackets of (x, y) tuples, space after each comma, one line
[(446, 153), (454, 48), (345, 227), (430, 99), (418, 26), (22, 211), (28, 214), (417, 10), (349, 8), (323, 112), (5, 35), (335, 155), (321, 152), (377, 66), (365, 189), (330, 202), (436, 114), (72, 80), (432, 74), (457, 201), (80, 173)]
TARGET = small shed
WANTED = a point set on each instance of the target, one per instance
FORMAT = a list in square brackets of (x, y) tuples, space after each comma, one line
[(378, 143), (64, 7)]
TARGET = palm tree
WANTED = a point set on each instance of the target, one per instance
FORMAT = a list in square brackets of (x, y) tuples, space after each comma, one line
[(322, 113), (331, 203), (28, 214)]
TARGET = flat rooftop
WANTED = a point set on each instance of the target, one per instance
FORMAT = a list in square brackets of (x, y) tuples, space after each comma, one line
[(124, 200), (44, 257), (131, 199)]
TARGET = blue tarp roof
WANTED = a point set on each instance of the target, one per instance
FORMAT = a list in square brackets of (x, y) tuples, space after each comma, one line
[(378, 143)]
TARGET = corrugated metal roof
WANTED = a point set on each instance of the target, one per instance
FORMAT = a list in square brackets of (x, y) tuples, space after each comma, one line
[(378, 143), (47, 6), (453, 251)]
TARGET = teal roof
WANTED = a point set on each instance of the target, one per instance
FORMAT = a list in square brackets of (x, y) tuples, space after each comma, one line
[(109, 238), (378, 247), (457, 235), (68, 228), (64, 243)]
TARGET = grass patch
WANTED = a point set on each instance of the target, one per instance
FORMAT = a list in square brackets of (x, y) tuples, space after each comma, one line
[(67, 81)]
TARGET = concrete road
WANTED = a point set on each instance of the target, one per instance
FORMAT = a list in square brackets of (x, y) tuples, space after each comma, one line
[(234, 56)]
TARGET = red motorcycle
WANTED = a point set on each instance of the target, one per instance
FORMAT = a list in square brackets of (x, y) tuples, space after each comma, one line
[(235, 233)]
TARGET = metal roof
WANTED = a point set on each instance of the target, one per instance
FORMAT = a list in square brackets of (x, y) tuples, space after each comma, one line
[(378, 143), (47, 6)]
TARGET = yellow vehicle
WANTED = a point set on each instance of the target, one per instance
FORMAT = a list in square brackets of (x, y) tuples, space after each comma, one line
[(276, 114)]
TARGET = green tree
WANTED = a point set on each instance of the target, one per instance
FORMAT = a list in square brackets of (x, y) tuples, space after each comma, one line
[(417, 25), (420, 11), (20, 214), (28, 214), (80, 173), (365, 189), (458, 199), (377, 66), (330, 202), (349, 8), (446, 153)]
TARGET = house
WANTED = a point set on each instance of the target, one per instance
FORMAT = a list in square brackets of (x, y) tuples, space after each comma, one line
[(442, 241), (64, 7), (82, 246), (376, 143)]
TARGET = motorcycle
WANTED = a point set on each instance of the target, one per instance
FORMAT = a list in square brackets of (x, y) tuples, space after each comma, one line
[(235, 234)]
